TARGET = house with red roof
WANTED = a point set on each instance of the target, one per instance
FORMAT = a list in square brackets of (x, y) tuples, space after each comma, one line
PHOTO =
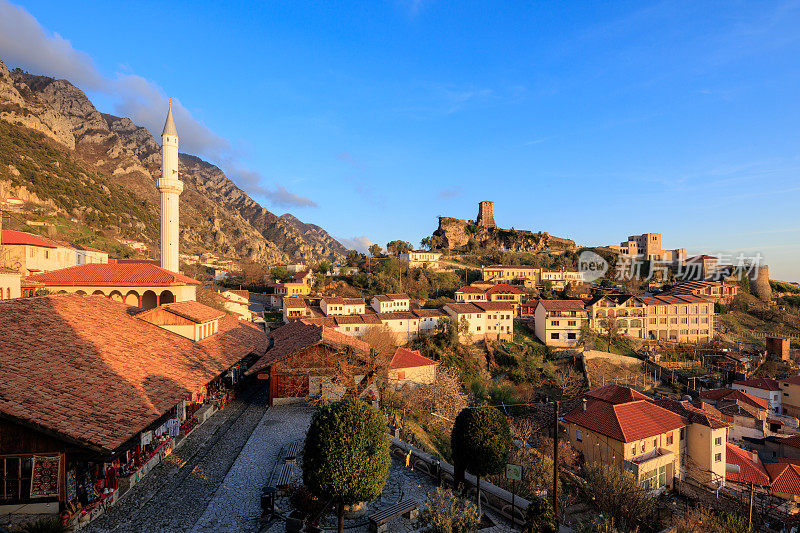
[(138, 283), (312, 361), (29, 254), (409, 367), (620, 427), (558, 322), (657, 440)]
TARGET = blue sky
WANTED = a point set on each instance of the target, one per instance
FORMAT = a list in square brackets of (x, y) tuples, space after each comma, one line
[(592, 121)]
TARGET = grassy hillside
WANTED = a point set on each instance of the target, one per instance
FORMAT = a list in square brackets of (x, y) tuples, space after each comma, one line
[(29, 159)]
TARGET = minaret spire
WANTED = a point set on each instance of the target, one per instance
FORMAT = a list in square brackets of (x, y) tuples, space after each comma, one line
[(170, 188)]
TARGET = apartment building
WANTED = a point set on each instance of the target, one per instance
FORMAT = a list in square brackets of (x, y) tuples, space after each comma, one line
[(676, 318), (500, 292), (421, 259), (558, 322), (390, 303), (790, 395), (332, 305)]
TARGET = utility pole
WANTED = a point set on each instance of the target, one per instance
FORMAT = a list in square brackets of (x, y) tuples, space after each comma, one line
[(555, 461), (750, 510)]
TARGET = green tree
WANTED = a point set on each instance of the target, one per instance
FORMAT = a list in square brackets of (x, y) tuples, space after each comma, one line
[(398, 247), (375, 250), (324, 267), (480, 441), (346, 454), (426, 243), (279, 273)]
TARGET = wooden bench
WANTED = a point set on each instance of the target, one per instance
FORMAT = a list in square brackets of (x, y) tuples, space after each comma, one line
[(285, 477), (378, 522), (293, 452)]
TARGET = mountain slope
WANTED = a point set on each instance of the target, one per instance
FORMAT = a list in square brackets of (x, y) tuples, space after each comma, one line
[(215, 214)]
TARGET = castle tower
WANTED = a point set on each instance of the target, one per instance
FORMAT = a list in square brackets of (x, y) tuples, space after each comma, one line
[(486, 214), (170, 188)]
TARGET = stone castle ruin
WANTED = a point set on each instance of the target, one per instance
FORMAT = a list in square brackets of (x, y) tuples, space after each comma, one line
[(483, 232), (486, 214)]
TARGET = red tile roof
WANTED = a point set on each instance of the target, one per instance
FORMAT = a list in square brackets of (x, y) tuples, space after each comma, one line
[(503, 288), (426, 313), (759, 383), (794, 380), (405, 358), (141, 274), (562, 305), (10, 236), (298, 336), (190, 310), (495, 306), (734, 395), (615, 394), (469, 289), (785, 477), (85, 368), (751, 469), (464, 308), (625, 422), (691, 413)]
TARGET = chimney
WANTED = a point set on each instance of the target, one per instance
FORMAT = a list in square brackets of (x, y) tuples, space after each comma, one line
[(584, 405), (755, 456)]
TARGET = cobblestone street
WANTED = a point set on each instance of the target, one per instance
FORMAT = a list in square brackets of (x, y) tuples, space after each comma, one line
[(211, 482)]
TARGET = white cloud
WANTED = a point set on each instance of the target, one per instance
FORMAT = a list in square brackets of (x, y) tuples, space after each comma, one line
[(360, 244), (25, 43)]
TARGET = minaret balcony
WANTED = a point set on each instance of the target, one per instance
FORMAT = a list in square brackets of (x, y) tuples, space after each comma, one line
[(167, 185)]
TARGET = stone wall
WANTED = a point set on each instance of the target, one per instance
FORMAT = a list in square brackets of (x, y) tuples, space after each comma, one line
[(455, 232)]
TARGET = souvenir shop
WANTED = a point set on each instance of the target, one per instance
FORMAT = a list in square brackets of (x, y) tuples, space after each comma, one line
[(93, 486)]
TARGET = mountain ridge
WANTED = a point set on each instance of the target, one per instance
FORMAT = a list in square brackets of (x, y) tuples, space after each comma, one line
[(216, 215)]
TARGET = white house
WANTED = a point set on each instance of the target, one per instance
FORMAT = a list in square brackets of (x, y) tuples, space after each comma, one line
[(333, 305), (391, 303)]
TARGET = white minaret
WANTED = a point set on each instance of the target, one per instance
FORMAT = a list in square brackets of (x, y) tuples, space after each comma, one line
[(170, 188)]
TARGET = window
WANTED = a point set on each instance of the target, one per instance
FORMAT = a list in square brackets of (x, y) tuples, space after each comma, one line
[(554, 336), (718, 441), (669, 439), (571, 336), (571, 322), (655, 443), (578, 435), (683, 433), (554, 323), (718, 458), (401, 374)]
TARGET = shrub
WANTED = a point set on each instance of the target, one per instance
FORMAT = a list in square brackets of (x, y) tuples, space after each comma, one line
[(540, 517), (346, 454), (448, 513)]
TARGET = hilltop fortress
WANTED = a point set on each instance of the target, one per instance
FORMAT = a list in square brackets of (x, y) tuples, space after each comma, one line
[(483, 232)]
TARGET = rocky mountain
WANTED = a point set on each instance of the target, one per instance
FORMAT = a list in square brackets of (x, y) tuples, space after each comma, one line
[(113, 152)]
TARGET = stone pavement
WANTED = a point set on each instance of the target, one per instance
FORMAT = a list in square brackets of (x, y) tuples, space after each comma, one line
[(236, 506)]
